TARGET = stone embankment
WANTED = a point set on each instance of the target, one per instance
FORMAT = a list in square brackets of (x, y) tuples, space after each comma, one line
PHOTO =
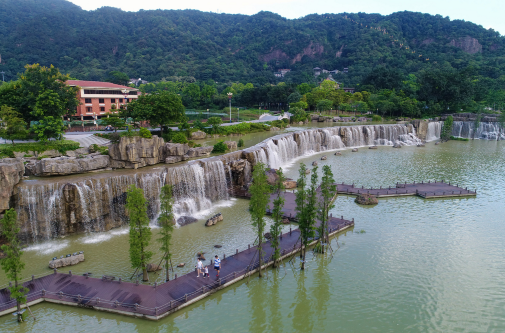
[(11, 172)]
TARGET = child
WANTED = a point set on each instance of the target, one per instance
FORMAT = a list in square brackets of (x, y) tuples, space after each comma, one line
[(206, 272)]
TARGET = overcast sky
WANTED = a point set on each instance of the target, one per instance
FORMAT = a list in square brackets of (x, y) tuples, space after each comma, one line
[(488, 13)]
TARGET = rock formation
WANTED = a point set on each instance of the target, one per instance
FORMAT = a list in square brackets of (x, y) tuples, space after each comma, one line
[(214, 219), (290, 184), (323, 158), (136, 152), (153, 267), (366, 199), (185, 220), (314, 163), (199, 151), (11, 172), (354, 150), (66, 261), (198, 135), (421, 127), (61, 166), (232, 145)]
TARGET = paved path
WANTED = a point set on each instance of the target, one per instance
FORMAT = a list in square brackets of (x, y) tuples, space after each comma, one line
[(437, 189), (85, 140)]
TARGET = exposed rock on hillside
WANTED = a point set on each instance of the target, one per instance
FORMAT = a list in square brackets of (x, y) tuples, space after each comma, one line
[(468, 44)]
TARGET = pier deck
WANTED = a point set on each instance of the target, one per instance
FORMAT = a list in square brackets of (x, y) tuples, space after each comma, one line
[(154, 302), (425, 190)]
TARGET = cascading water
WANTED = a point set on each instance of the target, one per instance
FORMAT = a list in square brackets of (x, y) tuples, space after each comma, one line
[(97, 203), (434, 130), (485, 130)]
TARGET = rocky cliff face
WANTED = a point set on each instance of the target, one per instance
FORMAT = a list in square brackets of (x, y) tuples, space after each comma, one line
[(468, 44), (11, 172)]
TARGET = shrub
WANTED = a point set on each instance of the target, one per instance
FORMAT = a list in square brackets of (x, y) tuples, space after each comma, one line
[(94, 148), (179, 137), (240, 143), (376, 117), (114, 137), (60, 145), (191, 144), (197, 145), (459, 139), (220, 147), (285, 120), (41, 157), (145, 133)]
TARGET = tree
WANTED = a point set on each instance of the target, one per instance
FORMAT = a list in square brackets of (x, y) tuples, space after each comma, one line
[(11, 263), (118, 77), (14, 127), (447, 129), (160, 109), (215, 122), (324, 104), (305, 208), (40, 92), (383, 78), (114, 120), (325, 204), (298, 114), (260, 196), (166, 222), (140, 232), (48, 127), (275, 228)]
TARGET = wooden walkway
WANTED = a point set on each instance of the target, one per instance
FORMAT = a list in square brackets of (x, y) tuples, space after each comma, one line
[(158, 301), (427, 190)]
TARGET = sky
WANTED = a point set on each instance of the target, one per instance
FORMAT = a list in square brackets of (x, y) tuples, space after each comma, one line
[(488, 13)]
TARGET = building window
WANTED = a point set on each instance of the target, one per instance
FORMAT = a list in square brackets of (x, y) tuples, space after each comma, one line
[(87, 100), (102, 109), (120, 100), (113, 100), (101, 100), (89, 109)]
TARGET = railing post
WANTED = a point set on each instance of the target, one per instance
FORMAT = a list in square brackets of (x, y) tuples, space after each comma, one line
[(119, 280), (70, 273), (236, 251), (55, 271), (155, 285), (43, 292), (33, 278), (175, 276), (137, 282), (97, 300), (224, 255)]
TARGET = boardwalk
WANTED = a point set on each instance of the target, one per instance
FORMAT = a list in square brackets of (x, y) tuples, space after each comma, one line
[(153, 302), (425, 190)]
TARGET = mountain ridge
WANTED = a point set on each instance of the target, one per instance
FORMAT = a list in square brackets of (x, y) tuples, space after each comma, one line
[(157, 44)]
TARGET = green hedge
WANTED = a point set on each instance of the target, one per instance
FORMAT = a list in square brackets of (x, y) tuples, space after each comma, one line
[(7, 150)]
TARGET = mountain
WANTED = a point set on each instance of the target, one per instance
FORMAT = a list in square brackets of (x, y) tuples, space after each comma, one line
[(156, 44)]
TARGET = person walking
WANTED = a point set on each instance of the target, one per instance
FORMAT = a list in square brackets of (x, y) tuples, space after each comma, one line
[(217, 264), (206, 272), (199, 266)]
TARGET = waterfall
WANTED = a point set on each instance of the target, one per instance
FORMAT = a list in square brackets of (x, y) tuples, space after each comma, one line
[(97, 203), (434, 130), (485, 130)]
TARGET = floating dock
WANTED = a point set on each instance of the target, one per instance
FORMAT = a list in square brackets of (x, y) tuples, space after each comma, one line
[(427, 190)]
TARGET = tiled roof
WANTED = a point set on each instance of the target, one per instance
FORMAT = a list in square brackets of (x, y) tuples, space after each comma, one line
[(96, 84)]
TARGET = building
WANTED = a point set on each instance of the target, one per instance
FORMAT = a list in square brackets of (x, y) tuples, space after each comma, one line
[(349, 90), (282, 72), (97, 98), (137, 82)]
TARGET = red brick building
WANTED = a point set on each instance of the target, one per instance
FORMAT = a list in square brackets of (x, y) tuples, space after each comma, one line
[(97, 98)]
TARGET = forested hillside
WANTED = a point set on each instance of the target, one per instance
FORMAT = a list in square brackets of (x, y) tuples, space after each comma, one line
[(228, 48)]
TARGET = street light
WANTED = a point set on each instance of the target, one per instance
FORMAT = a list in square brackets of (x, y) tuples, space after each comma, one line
[(229, 99)]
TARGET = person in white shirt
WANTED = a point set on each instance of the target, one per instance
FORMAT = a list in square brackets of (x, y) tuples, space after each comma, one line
[(199, 266), (206, 272), (217, 264)]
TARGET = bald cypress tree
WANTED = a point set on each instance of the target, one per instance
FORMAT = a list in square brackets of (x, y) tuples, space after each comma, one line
[(140, 232), (166, 222), (260, 196), (12, 264), (275, 228)]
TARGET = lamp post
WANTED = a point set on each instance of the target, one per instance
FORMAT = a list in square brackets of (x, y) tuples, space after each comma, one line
[(229, 99)]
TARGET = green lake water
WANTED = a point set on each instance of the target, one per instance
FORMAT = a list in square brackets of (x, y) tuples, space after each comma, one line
[(409, 265)]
